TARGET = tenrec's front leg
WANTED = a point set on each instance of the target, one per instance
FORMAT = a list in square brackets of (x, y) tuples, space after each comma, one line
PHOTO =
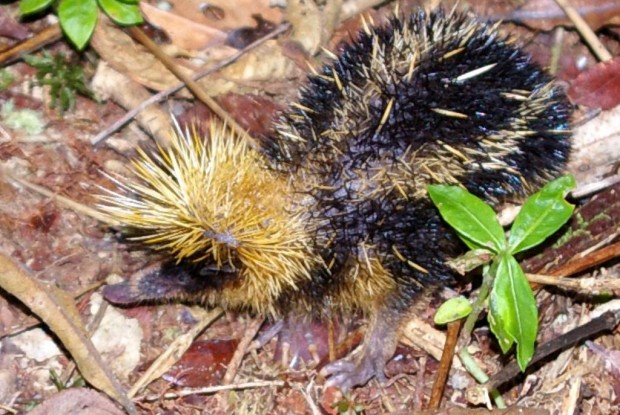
[(370, 359)]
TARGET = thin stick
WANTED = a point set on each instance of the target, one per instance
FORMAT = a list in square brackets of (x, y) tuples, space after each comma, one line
[(214, 389), (585, 31), (174, 352), (192, 85), (587, 285), (234, 364), (591, 260), (46, 36), (444, 365), (607, 321)]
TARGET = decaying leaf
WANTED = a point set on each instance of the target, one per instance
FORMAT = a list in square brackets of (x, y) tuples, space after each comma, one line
[(184, 33), (225, 14), (546, 14), (77, 401), (598, 87)]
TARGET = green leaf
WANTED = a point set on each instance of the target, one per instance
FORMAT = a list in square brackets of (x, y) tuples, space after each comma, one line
[(542, 215), (496, 311), (473, 219), (497, 326), (513, 315), (452, 310), (27, 7), (122, 12), (64, 78), (78, 19)]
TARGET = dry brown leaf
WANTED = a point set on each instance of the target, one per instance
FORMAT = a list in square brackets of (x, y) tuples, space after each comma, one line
[(598, 87), (596, 152), (312, 26), (120, 51), (203, 364), (10, 28), (225, 14), (184, 33), (77, 401), (546, 14), (176, 350), (265, 63), (58, 312)]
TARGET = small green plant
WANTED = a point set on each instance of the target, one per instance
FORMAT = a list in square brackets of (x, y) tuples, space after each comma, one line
[(79, 17), (6, 79), (513, 315), (345, 407), (64, 78), (78, 382)]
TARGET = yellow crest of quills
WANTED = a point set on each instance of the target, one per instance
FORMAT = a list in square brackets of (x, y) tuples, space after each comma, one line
[(332, 216)]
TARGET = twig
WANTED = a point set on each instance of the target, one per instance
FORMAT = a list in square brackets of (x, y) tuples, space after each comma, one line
[(589, 188), (593, 259), (420, 383), (90, 328), (588, 285), (164, 94), (8, 409), (44, 37), (585, 31), (341, 349), (173, 353), (192, 85), (314, 408), (444, 365), (214, 389), (607, 321), (234, 364), (556, 49)]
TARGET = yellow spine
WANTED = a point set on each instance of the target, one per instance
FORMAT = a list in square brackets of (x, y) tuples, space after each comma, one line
[(214, 201)]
